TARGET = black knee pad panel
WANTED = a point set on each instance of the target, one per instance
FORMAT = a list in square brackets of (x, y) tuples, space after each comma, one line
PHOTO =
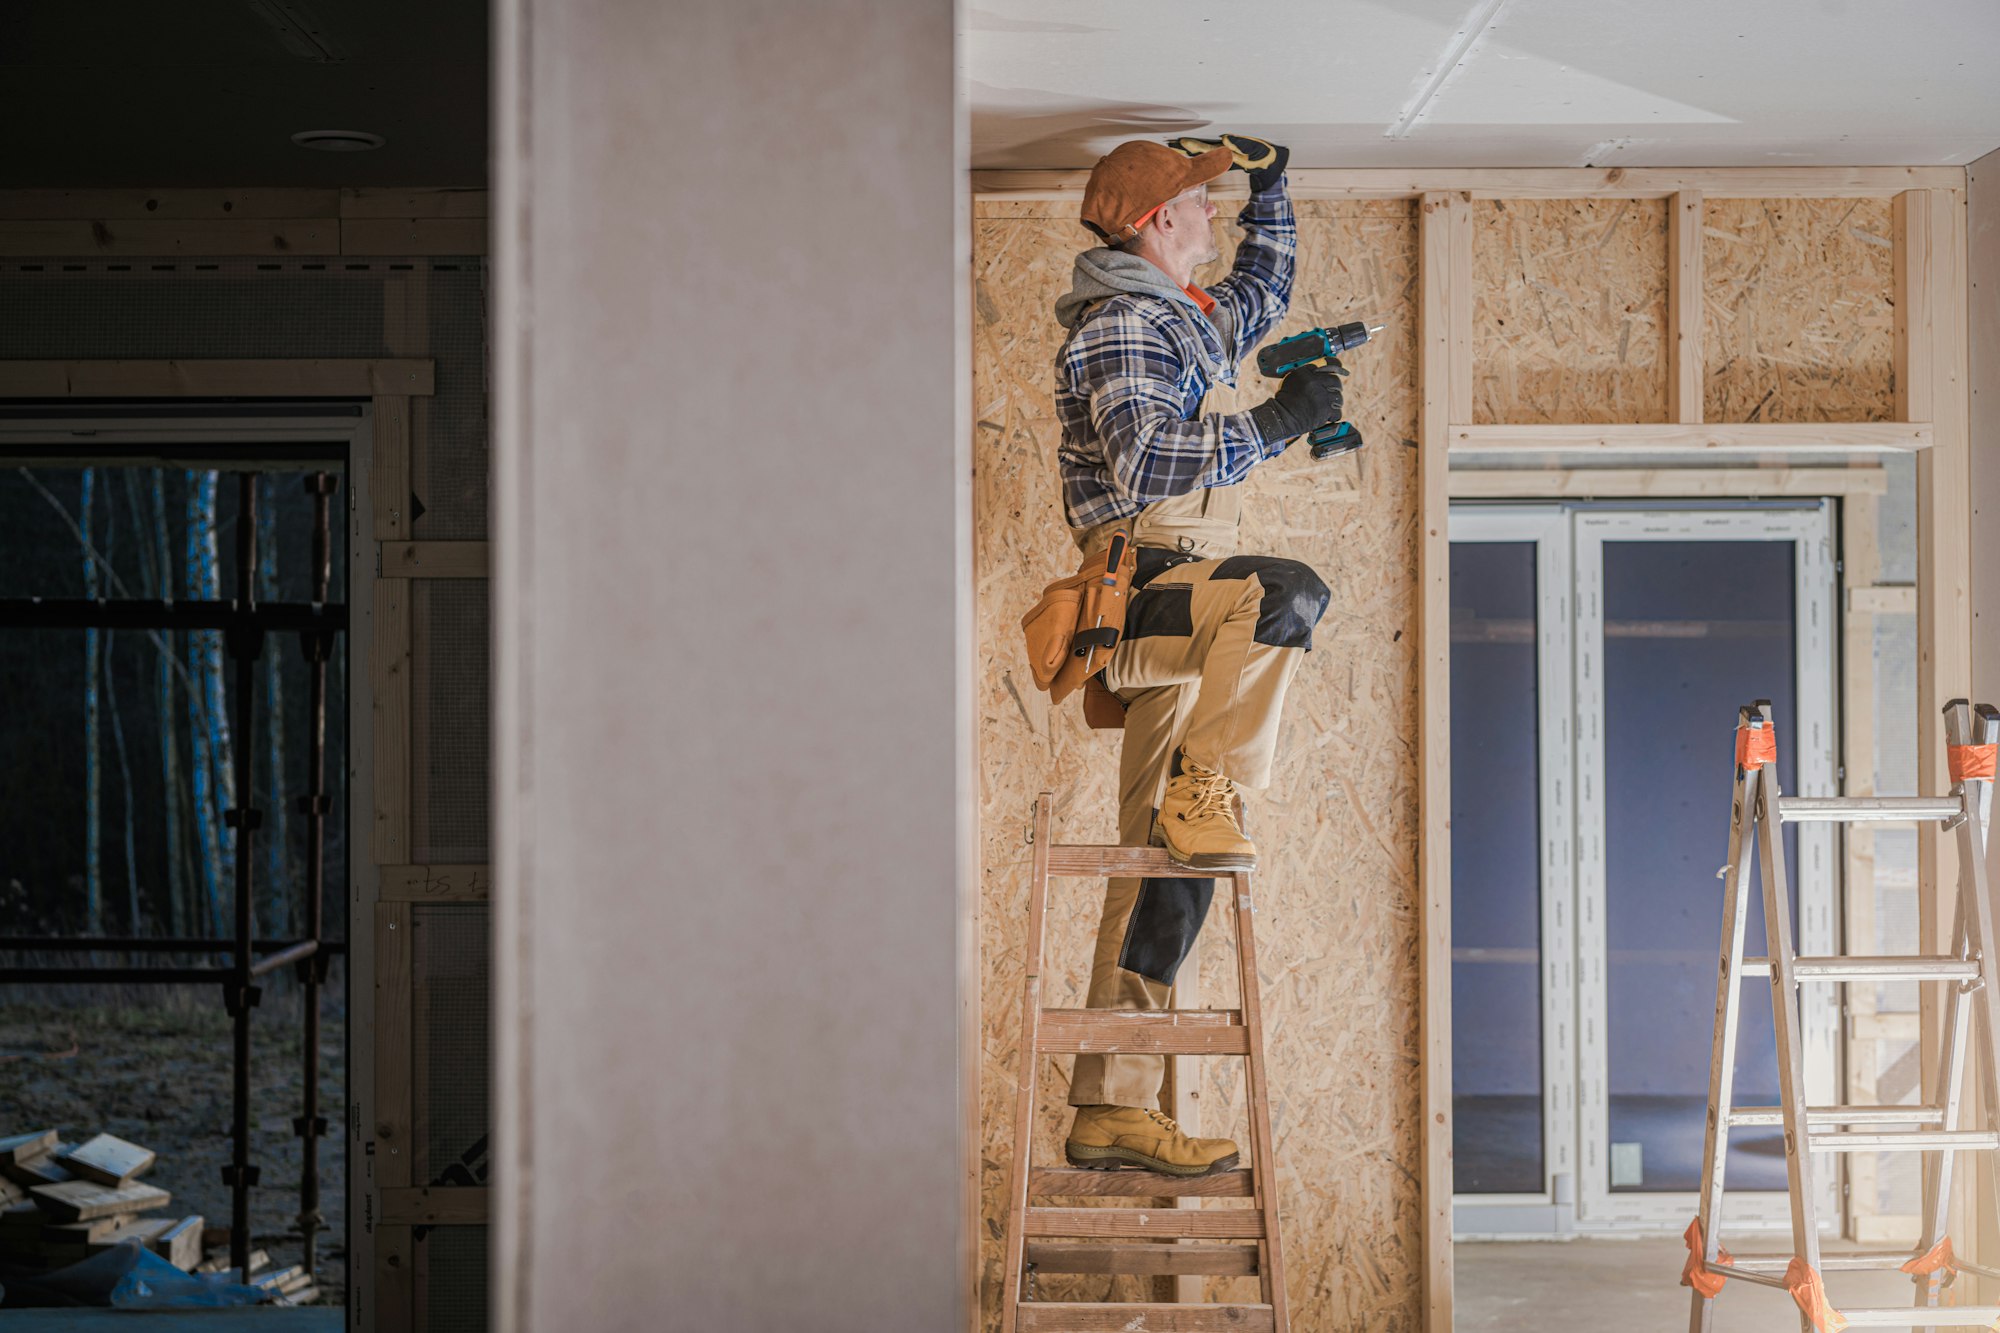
[(1163, 926), (1294, 597)]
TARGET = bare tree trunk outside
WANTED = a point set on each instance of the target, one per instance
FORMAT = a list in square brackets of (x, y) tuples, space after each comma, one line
[(93, 871), (179, 872), (207, 727), (281, 917)]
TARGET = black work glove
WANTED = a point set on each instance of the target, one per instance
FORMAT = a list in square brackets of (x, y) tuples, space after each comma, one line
[(1265, 161), (1309, 398)]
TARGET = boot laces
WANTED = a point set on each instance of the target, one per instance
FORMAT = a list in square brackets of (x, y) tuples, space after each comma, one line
[(1213, 795), (1164, 1121)]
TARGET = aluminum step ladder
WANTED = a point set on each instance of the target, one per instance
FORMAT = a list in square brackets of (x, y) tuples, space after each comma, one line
[(1971, 973), (1043, 1239)]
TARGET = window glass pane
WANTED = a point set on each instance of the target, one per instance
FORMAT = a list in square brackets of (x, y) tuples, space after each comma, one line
[(1692, 630), (1496, 994)]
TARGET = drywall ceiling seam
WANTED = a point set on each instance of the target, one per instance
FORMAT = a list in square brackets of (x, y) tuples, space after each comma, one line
[(1481, 18)]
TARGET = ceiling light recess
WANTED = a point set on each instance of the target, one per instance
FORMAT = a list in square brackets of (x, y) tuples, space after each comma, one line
[(338, 141)]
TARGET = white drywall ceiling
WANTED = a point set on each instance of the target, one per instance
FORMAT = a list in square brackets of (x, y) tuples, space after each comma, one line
[(1056, 83)]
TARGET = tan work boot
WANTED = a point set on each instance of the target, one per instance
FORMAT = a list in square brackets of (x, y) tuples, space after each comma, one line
[(1107, 1137), (1197, 823)]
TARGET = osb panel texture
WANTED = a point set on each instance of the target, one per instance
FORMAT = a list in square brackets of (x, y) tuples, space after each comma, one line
[(1569, 310), (1337, 902), (1798, 310)]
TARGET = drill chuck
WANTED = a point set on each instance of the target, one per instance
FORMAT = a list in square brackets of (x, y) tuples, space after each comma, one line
[(1312, 347)]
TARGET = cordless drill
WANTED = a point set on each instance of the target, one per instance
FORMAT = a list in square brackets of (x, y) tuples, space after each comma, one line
[(1320, 347)]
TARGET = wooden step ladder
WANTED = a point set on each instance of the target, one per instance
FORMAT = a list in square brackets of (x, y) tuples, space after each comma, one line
[(1128, 1240), (1971, 971)]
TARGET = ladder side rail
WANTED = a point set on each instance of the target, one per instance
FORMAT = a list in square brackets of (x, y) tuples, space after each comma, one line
[(1263, 1175), (1975, 906), (1722, 1053), (1785, 1012), (1024, 1099)]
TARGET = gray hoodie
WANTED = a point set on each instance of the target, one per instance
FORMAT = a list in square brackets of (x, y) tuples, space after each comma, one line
[(1103, 273)]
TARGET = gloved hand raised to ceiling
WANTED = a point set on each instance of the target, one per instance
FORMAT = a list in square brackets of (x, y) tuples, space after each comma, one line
[(1264, 161), (1308, 398)]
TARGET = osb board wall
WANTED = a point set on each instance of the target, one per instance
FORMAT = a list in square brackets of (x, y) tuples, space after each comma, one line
[(1569, 310), (1337, 902), (1798, 310)]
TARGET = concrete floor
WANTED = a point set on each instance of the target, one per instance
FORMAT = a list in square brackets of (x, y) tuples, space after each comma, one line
[(1556, 1287)]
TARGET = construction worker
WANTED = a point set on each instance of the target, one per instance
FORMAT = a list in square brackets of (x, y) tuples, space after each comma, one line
[(1211, 638)]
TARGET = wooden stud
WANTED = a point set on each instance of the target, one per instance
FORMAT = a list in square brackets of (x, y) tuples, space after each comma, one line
[(1665, 482), (1684, 306), (391, 690), (1444, 341), (435, 884), (166, 205), (1763, 437), (458, 1205), (389, 468), (1894, 599), (435, 560), (215, 379), (394, 963), (395, 1281), (363, 237), (448, 202), (170, 238)]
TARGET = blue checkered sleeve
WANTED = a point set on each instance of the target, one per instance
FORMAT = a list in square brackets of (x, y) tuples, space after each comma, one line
[(1259, 286)]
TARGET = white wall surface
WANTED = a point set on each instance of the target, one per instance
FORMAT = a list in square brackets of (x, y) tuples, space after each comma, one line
[(729, 660), (1983, 315)]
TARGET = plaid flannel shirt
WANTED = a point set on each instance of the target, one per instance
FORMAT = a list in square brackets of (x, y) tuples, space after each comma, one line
[(1130, 381)]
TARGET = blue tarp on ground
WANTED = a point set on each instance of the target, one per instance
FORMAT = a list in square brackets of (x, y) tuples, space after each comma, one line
[(126, 1277)]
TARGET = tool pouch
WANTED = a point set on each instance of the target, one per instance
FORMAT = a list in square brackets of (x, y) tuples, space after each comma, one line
[(1073, 629)]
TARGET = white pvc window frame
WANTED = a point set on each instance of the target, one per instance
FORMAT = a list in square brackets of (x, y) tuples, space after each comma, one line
[(1549, 1212), (1809, 528)]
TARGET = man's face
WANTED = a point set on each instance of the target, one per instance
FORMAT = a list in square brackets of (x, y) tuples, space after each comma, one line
[(1193, 237)]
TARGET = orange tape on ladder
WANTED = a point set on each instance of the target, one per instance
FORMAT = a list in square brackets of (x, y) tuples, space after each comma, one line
[(1971, 761), (1802, 1280), (1939, 1258), (1694, 1273), (1756, 747)]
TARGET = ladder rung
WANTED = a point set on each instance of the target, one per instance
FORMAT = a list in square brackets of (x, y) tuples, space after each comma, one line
[(1143, 1032), (1178, 1223), (1074, 1181), (1821, 1117), (1893, 967), (1093, 1317), (1905, 1316), (1849, 1261), (1866, 809), (1169, 1260), (1908, 1140), (1078, 860)]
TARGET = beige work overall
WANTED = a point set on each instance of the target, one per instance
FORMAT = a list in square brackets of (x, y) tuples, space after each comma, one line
[(1210, 644)]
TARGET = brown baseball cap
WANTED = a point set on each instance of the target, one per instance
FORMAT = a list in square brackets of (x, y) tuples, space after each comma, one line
[(1131, 182)]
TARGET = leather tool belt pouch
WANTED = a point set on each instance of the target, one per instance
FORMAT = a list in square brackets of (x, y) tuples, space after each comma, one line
[(1072, 631)]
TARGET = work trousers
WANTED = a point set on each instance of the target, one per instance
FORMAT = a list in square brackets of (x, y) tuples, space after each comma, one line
[(1208, 651)]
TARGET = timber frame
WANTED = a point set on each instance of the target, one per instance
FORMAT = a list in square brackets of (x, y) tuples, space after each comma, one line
[(1932, 410)]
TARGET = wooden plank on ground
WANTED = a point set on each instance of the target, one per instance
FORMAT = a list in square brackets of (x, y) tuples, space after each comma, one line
[(435, 884), (320, 378), (23, 1147), (180, 1243), (81, 1233), (144, 1230), (435, 560), (45, 1169), (83, 1200), (108, 1160)]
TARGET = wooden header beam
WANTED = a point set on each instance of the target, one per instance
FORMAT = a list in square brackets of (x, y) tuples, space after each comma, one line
[(1535, 183), (216, 379), (1669, 482), (45, 224), (1763, 437)]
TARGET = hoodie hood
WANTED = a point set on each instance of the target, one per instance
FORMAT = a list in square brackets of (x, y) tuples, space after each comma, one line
[(1105, 272)]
